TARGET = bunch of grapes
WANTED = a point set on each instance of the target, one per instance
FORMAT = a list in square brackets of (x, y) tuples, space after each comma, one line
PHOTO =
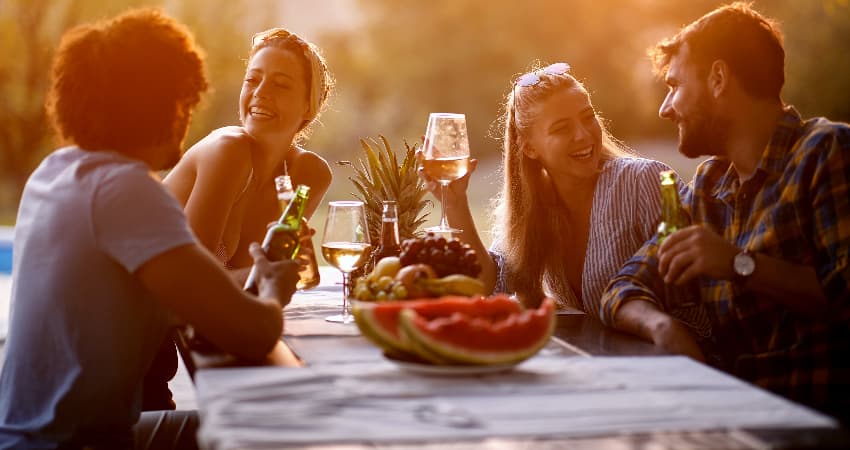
[(444, 256)]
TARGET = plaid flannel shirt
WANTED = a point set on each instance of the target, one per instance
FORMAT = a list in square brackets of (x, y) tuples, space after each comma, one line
[(795, 208)]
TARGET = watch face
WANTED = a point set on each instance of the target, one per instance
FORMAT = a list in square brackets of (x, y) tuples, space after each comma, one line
[(744, 264)]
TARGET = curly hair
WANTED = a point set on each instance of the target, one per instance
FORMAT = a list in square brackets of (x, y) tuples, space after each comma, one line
[(125, 83), (748, 42), (318, 76)]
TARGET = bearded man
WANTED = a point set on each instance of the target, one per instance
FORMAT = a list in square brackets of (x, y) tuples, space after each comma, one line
[(767, 251)]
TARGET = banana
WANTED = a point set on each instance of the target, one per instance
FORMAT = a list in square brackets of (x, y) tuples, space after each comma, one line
[(386, 267), (455, 284)]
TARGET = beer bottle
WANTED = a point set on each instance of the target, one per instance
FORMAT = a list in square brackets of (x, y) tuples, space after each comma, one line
[(389, 244), (309, 275), (672, 218), (282, 240)]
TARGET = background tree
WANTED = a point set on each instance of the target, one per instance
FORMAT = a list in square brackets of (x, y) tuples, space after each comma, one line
[(410, 58), (398, 60), (30, 31)]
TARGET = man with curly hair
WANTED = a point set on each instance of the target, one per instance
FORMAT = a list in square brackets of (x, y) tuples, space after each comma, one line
[(104, 260)]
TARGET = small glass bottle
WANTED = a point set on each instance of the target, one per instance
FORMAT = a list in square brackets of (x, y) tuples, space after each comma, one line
[(283, 240), (672, 218), (285, 192), (389, 244)]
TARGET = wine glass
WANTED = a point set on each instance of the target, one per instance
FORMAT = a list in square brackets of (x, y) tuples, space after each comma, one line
[(345, 245), (445, 157)]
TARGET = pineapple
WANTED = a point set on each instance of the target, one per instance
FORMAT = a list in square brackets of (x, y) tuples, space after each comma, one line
[(379, 177)]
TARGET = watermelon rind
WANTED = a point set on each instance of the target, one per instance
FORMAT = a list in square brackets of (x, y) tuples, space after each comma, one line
[(429, 346), (384, 331), (371, 330), (423, 351)]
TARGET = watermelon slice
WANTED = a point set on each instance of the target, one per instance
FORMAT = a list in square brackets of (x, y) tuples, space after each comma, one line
[(478, 339), (379, 322)]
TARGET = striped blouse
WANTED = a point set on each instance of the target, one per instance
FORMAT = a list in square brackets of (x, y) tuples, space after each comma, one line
[(625, 213)]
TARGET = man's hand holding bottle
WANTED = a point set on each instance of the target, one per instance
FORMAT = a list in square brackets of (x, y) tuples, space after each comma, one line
[(277, 279)]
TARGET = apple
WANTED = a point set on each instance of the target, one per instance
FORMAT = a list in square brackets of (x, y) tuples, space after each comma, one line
[(410, 277)]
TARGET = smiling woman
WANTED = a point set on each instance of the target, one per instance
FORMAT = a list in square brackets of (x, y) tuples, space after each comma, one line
[(574, 206), (226, 180)]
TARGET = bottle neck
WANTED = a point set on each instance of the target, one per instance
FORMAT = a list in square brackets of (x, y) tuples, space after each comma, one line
[(294, 211), (670, 206), (389, 233), (284, 198)]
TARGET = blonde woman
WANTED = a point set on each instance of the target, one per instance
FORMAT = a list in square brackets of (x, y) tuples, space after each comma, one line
[(574, 204), (226, 180)]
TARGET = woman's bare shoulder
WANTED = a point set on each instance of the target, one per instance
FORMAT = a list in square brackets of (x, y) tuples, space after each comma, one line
[(304, 156), (223, 146), (220, 163), (223, 139), (311, 163), (223, 157)]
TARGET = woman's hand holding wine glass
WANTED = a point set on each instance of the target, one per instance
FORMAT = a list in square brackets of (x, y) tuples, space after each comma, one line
[(445, 157), (456, 192)]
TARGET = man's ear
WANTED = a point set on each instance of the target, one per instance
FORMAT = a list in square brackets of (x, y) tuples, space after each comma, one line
[(718, 78)]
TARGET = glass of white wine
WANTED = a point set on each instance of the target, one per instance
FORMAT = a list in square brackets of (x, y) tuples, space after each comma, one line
[(445, 157), (346, 246)]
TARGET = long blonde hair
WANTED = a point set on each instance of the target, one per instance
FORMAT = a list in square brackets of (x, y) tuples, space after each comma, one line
[(529, 235)]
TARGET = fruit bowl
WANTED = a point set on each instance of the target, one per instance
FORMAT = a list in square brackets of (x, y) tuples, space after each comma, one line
[(427, 267), (422, 367)]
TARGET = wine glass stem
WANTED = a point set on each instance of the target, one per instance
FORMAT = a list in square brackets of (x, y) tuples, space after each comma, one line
[(444, 221), (345, 292)]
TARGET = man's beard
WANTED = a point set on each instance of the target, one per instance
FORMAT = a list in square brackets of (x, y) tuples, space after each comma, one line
[(173, 157), (705, 133), (167, 157)]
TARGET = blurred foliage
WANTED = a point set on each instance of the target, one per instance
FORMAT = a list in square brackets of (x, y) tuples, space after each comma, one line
[(402, 59), (410, 58), (30, 30)]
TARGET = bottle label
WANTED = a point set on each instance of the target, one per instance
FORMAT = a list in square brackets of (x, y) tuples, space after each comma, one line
[(283, 243)]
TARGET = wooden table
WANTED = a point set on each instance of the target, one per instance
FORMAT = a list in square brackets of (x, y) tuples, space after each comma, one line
[(584, 337)]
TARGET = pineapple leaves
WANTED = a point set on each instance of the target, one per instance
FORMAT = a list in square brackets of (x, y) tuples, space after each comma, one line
[(378, 176)]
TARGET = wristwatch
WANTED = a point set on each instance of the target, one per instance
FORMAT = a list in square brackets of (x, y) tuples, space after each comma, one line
[(744, 264)]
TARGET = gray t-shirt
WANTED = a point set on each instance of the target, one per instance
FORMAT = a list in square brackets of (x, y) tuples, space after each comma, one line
[(83, 330)]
